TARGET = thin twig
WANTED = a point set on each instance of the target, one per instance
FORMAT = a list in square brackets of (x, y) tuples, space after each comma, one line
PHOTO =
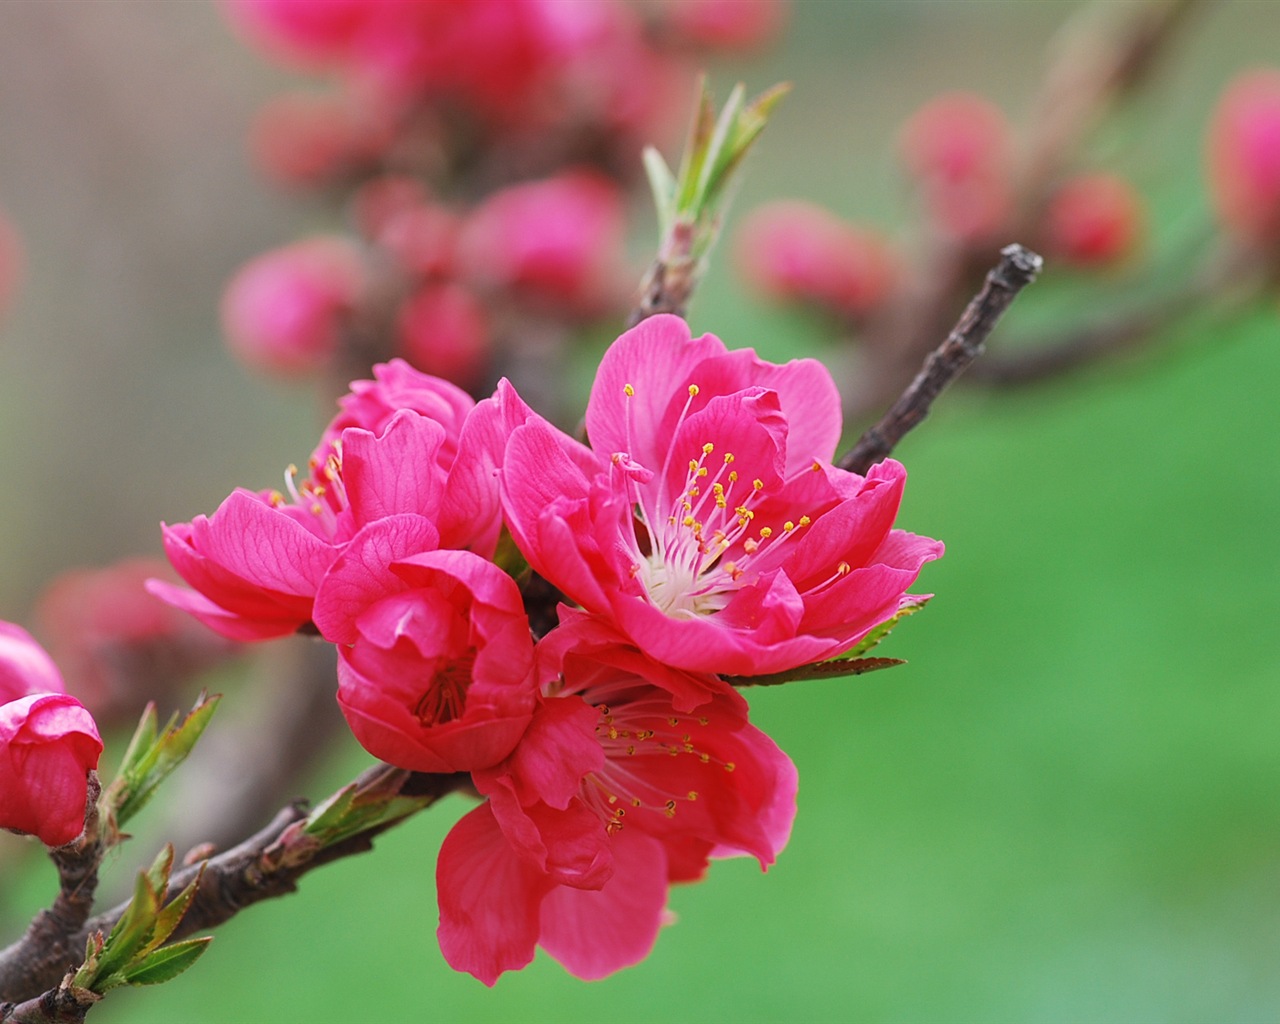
[(1017, 268)]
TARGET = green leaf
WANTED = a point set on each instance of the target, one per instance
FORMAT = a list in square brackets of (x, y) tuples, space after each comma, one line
[(166, 963), (129, 935), (172, 914), (662, 184), (150, 760)]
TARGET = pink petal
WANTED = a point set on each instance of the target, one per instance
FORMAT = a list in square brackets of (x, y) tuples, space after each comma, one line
[(395, 472), (250, 539), (596, 932), (362, 573), (655, 357), (489, 899)]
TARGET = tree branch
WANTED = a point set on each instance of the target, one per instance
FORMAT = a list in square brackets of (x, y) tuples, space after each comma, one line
[(50, 945), (267, 864), (1017, 268)]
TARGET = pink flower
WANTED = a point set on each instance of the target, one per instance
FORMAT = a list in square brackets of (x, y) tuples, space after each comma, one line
[(1244, 156), (959, 147), (613, 794), (796, 250), (486, 53), (25, 666), (728, 24), (558, 240), (48, 744), (403, 444), (283, 310), (435, 658), (706, 521), (443, 330), (310, 139)]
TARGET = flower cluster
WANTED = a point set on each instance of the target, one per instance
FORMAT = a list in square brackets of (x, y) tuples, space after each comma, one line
[(702, 533), (484, 148), (48, 744)]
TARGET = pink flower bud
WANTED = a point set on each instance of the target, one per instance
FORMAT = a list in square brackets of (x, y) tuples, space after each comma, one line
[(25, 666), (48, 744), (1094, 219), (444, 331), (793, 250), (558, 240), (283, 310), (959, 148), (728, 24), (1244, 156)]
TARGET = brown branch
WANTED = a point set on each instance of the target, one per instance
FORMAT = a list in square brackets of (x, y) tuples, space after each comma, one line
[(1017, 268), (1229, 278), (66, 1004), (50, 944), (670, 282), (266, 865)]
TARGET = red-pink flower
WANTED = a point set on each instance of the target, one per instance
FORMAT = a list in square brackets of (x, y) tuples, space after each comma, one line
[(796, 250), (443, 330), (48, 744), (613, 794), (959, 147), (557, 240), (707, 521), (435, 670), (1244, 156), (283, 310), (1094, 219), (404, 443)]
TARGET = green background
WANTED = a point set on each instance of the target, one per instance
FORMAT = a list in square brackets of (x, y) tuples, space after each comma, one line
[(1066, 807)]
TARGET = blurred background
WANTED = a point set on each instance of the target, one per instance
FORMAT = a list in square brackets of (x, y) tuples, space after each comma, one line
[(1066, 807)]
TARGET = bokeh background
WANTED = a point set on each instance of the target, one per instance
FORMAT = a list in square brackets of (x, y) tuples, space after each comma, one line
[(1066, 807)]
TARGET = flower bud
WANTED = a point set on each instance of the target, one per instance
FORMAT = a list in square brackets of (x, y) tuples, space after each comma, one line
[(48, 744), (1094, 219), (797, 251), (958, 146), (282, 311), (727, 24), (558, 240), (1244, 156), (443, 330)]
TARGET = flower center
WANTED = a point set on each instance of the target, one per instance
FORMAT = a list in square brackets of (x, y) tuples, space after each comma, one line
[(322, 494), (633, 732), (445, 698)]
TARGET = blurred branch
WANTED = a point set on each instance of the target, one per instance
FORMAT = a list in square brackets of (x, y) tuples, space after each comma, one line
[(1017, 268)]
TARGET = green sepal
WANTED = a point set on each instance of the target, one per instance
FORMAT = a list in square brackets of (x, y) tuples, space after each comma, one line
[(872, 639), (822, 670), (167, 963), (355, 808)]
